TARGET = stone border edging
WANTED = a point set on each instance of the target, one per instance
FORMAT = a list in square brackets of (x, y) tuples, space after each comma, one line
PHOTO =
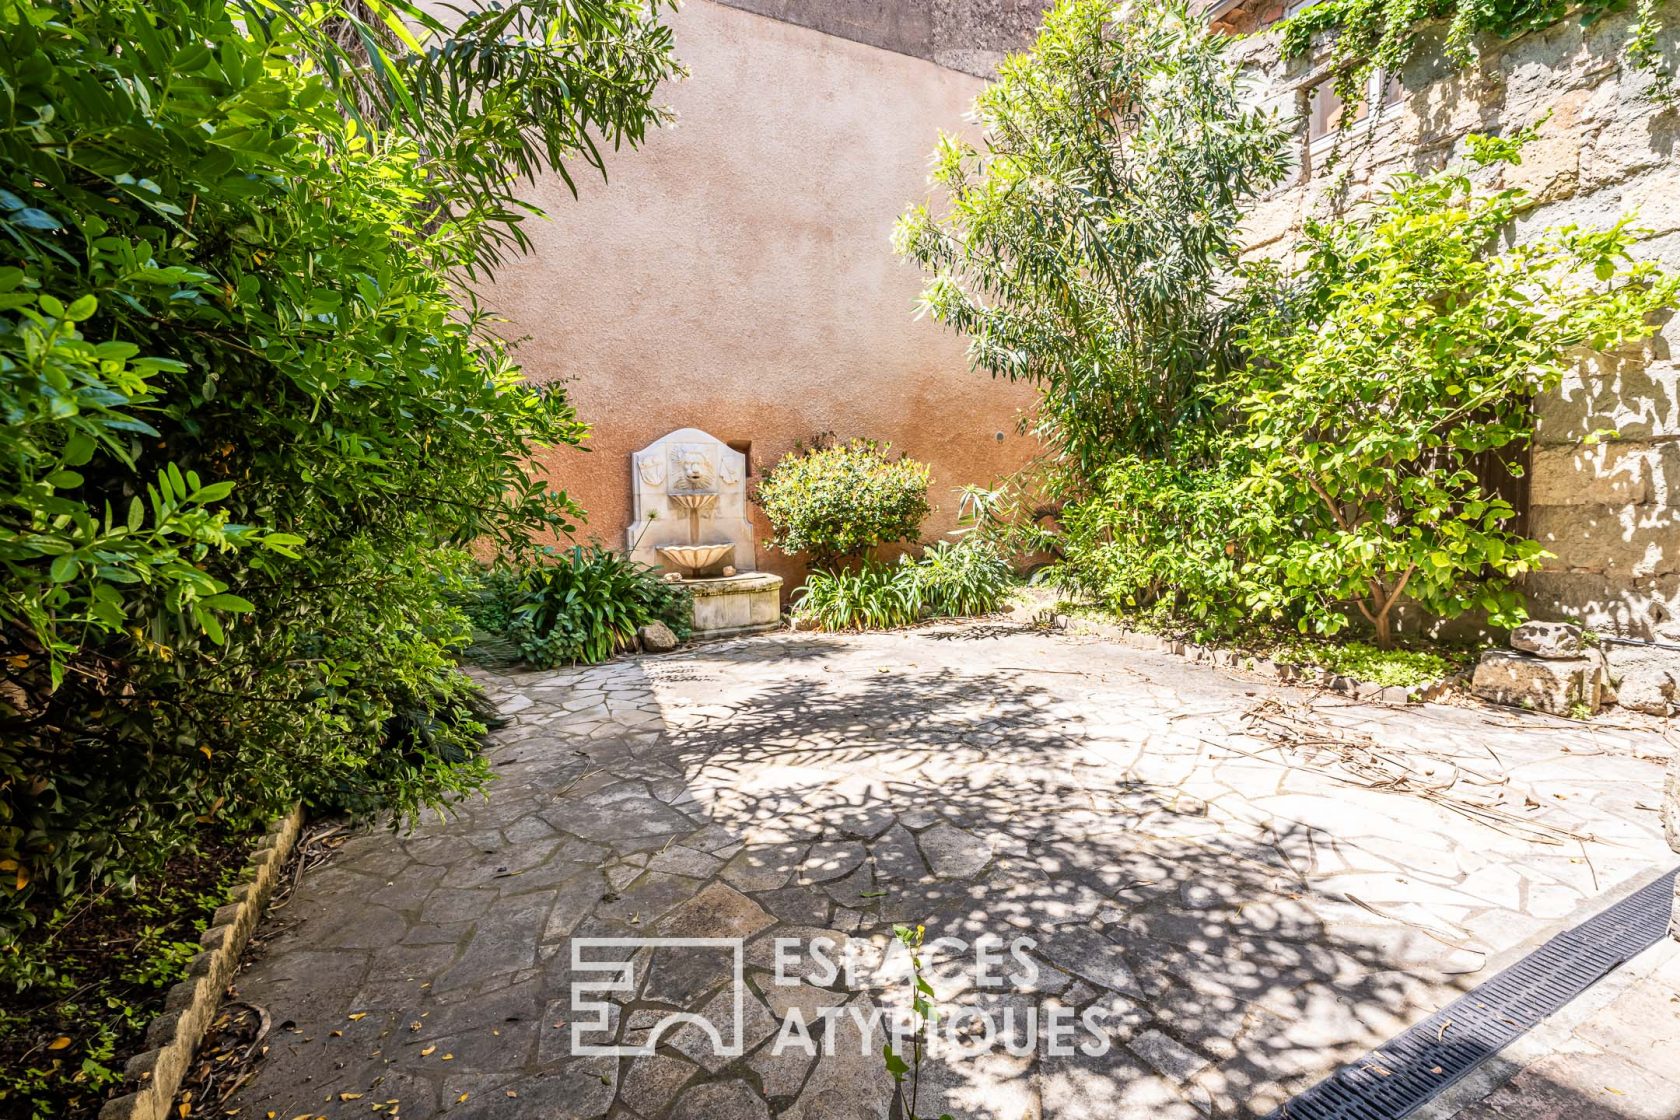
[(190, 1005), (1284, 672)]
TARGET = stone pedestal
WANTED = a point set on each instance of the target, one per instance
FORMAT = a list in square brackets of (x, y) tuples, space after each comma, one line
[(749, 603), (1541, 684)]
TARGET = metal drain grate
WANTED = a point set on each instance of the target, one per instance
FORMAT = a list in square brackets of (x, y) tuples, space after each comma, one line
[(1393, 1080)]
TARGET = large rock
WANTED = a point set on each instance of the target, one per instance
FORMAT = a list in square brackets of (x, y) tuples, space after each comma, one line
[(1555, 640), (1647, 678), (1540, 684), (656, 637)]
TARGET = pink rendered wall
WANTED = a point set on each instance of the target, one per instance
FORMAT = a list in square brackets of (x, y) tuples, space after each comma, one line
[(735, 274)]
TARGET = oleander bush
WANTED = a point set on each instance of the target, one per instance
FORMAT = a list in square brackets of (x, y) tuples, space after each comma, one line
[(839, 501), (1083, 243), (964, 578)]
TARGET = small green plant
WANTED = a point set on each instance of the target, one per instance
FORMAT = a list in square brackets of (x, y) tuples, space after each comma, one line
[(587, 606), (873, 596), (923, 1016), (489, 597), (838, 502), (961, 579), (951, 580)]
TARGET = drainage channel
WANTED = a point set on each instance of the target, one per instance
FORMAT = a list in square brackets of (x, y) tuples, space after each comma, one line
[(1397, 1078)]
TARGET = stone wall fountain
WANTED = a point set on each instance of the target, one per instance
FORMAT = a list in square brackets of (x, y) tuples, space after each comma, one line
[(689, 497)]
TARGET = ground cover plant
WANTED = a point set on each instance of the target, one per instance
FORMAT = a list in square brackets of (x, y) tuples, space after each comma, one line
[(577, 606), (251, 414), (951, 579), (85, 985)]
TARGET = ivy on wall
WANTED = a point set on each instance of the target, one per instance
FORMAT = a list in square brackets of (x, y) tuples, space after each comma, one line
[(1366, 36)]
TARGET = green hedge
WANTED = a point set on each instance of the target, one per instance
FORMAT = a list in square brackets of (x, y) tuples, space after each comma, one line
[(248, 415)]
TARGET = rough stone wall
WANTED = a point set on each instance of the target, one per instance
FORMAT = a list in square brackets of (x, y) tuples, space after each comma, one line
[(968, 35), (736, 274), (1609, 510)]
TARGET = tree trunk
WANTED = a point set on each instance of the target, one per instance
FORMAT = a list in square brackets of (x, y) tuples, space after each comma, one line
[(1379, 620)]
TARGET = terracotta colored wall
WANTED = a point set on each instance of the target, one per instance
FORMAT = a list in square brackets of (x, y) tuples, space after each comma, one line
[(735, 274)]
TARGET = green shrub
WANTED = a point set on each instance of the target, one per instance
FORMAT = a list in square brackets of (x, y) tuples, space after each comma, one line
[(962, 578), (588, 606), (1414, 342), (1154, 538), (840, 501), (1088, 234), (249, 415), (1365, 662)]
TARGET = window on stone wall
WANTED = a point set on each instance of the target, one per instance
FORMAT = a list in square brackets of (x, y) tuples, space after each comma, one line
[(1327, 114)]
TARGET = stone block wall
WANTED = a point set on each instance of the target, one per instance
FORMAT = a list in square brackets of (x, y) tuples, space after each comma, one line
[(1607, 504)]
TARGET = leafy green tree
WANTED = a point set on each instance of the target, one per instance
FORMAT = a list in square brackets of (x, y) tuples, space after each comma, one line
[(1085, 239), (1413, 343), (250, 411)]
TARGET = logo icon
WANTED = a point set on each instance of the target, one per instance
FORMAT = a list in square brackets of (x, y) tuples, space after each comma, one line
[(613, 961)]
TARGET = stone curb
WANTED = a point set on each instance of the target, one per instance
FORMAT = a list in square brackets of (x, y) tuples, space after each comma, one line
[(190, 1005), (1284, 672)]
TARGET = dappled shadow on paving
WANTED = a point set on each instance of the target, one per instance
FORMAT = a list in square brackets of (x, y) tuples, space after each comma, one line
[(966, 802), (820, 786)]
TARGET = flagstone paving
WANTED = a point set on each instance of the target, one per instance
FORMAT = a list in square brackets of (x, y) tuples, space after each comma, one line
[(1236, 915)]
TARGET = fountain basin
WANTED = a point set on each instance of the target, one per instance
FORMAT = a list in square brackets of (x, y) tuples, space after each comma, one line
[(692, 559)]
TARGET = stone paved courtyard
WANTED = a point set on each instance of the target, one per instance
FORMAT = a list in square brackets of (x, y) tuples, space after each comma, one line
[(1244, 913)]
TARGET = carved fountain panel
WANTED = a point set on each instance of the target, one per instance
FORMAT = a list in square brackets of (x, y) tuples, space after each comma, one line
[(690, 505)]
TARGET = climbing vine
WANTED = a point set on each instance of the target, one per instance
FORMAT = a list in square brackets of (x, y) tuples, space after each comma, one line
[(1366, 36)]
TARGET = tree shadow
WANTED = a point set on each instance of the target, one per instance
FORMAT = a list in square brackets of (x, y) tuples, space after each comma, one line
[(968, 803)]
